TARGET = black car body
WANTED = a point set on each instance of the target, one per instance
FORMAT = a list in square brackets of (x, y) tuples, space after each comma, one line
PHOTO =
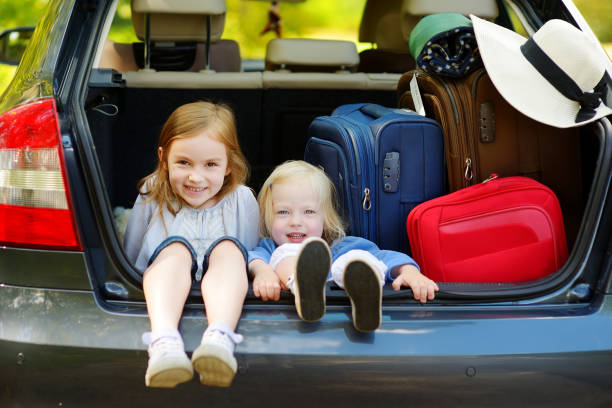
[(72, 309)]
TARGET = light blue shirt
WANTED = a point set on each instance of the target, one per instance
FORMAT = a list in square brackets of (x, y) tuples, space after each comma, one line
[(266, 246)]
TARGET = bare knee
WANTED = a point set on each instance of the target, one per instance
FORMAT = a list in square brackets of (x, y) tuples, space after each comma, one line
[(174, 258), (176, 250), (227, 263), (227, 249)]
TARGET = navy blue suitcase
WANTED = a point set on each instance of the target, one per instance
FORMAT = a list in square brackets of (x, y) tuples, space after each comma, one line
[(383, 162)]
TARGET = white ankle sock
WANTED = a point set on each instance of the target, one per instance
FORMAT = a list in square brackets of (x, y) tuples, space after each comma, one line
[(339, 265), (150, 337), (291, 284), (282, 252)]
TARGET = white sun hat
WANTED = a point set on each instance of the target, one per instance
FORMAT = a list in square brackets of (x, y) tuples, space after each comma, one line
[(557, 77)]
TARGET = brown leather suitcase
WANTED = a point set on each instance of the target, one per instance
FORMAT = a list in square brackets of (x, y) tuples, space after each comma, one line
[(440, 100), (484, 134)]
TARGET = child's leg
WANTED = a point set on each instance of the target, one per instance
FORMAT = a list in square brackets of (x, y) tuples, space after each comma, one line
[(225, 284), (304, 270), (283, 260), (362, 276), (224, 287), (339, 266), (166, 285)]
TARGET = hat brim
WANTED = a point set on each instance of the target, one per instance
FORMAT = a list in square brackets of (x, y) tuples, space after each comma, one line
[(520, 83)]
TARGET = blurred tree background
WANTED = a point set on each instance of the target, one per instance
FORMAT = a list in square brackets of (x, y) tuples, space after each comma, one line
[(331, 19), (336, 19)]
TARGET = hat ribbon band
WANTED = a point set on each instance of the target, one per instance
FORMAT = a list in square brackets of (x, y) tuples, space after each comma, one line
[(562, 82)]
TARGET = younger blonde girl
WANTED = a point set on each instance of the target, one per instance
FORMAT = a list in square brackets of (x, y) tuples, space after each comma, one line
[(300, 224), (194, 220)]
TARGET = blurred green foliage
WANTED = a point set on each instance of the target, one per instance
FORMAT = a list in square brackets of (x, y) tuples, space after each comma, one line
[(20, 12), (331, 19), (15, 13), (338, 19), (598, 13)]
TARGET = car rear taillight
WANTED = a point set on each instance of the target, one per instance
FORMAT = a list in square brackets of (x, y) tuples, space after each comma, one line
[(35, 204)]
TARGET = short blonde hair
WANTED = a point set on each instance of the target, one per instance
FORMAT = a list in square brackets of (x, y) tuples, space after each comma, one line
[(187, 121), (299, 171)]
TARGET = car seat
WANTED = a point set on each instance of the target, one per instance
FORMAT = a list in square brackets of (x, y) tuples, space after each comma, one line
[(381, 26), (181, 36)]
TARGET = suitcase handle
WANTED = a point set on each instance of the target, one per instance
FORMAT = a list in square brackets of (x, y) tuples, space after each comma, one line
[(374, 110)]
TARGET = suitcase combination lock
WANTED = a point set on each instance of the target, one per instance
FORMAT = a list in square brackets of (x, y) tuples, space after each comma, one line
[(391, 172)]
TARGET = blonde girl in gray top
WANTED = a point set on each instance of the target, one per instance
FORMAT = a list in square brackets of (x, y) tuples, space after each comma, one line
[(194, 220)]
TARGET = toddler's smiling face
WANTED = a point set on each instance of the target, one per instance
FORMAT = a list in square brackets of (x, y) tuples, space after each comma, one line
[(297, 213)]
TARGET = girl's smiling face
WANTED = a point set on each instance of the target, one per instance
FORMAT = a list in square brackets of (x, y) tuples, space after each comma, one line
[(297, 213), (197, 167)]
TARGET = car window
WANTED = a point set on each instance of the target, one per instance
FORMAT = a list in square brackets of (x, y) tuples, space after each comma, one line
[(245, 21), (48, 35)]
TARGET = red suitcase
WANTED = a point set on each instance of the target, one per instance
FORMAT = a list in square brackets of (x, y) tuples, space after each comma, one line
[(508, 229)]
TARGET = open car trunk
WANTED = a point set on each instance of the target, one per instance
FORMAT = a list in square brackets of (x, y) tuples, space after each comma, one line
[(272, 126), (274, 106)]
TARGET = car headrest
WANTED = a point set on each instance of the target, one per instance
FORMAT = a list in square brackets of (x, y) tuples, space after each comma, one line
[(380, 24), (413, 10), (178, 20), (317, 55)]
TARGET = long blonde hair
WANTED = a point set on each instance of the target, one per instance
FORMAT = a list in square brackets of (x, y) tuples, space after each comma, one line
[(298, 171), (187, 121)]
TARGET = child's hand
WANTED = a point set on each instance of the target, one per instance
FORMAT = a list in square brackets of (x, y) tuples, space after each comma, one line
[(266, 284), (423, 288)]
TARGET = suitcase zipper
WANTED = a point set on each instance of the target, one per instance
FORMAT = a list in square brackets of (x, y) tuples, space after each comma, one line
[(472, 127), (344, 182), (463, 145), (468, 175), (467, 146), (354, 131), (368, 187), (367, 202), (453, 102), (475, 83), (448, 91), (493, 176), (357, 157)]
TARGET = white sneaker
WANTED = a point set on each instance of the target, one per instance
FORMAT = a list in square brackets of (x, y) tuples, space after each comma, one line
[(214, 358), (168, 363), (311, 272)]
